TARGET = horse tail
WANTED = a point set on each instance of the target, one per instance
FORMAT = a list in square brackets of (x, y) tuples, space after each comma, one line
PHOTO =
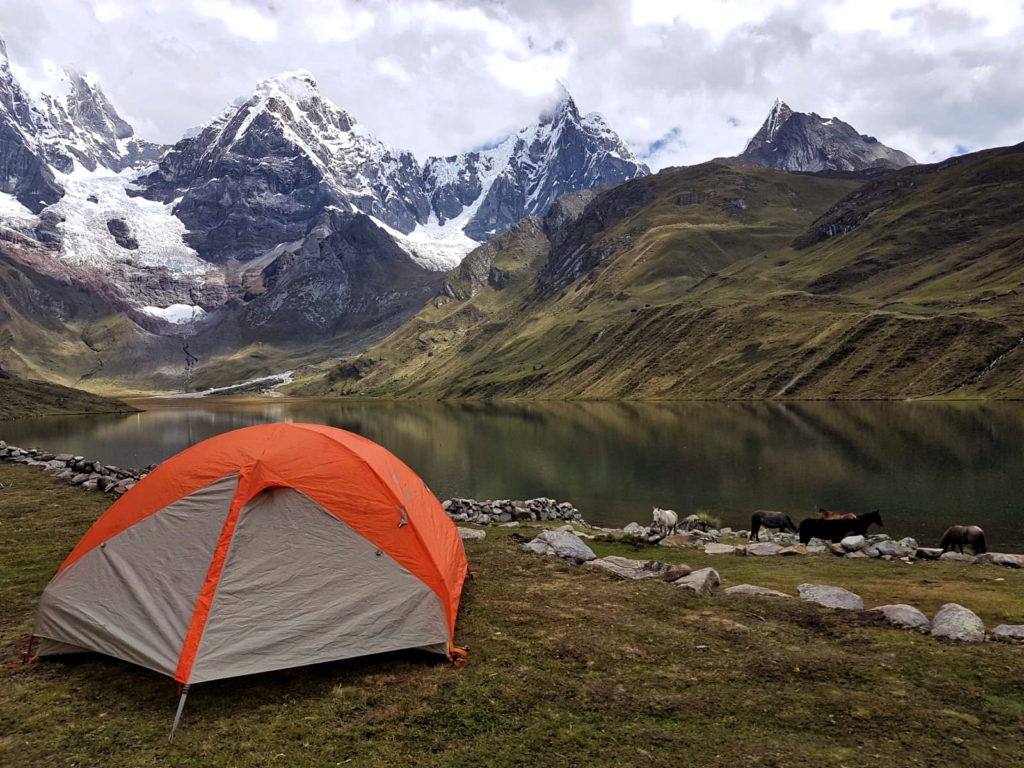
[(979, 543), (755, 527), (789, 522), (947, 540)]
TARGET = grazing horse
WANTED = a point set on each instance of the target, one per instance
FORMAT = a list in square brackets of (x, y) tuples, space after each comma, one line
[(837, 530), (824, 514), (957, 535), (665, 520), (769, 519)]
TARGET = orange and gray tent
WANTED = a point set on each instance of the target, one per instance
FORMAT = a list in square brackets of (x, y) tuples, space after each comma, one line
[(267, 547)]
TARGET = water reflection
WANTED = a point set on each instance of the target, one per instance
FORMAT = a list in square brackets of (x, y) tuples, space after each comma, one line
[(924, 464)]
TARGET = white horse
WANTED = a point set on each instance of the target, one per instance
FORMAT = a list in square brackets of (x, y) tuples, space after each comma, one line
[(665, 520)]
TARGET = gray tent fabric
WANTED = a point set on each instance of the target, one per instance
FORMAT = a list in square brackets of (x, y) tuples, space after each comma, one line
[(299, 586), (133, 597)]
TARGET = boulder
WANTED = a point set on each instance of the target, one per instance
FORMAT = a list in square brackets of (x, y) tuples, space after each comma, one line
[(638, 570), (954, 622), (635, 529), (763, 549), (956, 557), (908, 543), (793, 551), (471, 534), (836, 549), (816, 549), (871, 551), (903, 615), (564, 544), (853, 543), (857, 554), (686, 539), (719, 549), (704, 582), (1000, 558), (927, 553), (831, 597), (1009, 633), (754, 591), (894, 549)]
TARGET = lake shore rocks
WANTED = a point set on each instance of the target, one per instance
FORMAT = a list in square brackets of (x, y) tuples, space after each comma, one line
[(831, 597), (76, 470), (507, 510), (954, 622)]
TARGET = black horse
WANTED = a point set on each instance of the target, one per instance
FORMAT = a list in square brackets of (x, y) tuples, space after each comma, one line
[(837, 530), (769, 519), (957, 535)]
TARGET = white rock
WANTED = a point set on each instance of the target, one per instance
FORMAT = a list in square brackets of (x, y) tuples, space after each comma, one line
[(472, 534), (853, 543), (763, 549), (956, 557), (565, 544), (903, 615), (638, 570), (751, 589), (703, 582), (999, 558), (954, 622), (1009, 633), (831, 597), (718, 549)]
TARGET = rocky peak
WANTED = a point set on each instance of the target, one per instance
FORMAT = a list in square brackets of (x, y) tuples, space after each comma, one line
[(799, 141)]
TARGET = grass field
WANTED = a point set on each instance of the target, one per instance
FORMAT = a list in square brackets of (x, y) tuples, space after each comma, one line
[(567, 667)]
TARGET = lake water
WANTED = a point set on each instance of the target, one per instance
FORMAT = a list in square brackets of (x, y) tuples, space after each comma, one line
[(925, 465)]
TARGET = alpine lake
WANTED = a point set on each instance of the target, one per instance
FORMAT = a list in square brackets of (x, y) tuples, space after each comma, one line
[(925, 465)]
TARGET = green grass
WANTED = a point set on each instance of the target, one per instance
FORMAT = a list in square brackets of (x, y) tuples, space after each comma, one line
[(568, 667), (25, 398)]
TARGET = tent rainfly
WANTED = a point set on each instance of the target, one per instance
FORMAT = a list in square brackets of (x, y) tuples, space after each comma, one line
[(268, 547)]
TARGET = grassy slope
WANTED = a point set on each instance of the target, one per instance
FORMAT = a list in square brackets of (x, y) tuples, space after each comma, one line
[(700, 299), (22, 398), (567, 668)]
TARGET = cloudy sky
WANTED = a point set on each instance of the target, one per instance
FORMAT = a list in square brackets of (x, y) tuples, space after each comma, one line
[(682, 82)]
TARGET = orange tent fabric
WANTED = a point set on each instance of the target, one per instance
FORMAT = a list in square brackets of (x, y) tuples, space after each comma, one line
[(351, 478)]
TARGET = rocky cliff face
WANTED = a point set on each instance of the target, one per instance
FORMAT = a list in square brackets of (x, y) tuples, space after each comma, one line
[(798, 141), (489, 191)]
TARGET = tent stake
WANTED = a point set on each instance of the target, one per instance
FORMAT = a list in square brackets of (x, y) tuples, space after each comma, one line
[(177, 715)]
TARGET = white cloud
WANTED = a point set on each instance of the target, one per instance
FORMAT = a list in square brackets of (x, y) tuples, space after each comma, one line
[(695, 80)]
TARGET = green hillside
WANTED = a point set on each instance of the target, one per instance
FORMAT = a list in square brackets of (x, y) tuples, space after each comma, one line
[(729, 282), (22, 398)]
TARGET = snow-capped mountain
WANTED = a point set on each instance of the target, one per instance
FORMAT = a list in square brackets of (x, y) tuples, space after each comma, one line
[(799, 141), (487, 192), (259, 174)]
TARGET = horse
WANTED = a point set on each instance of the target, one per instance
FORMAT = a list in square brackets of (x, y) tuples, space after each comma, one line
[(665, 520), (837, 530), (957, 535), (826, 515), (769, 519)]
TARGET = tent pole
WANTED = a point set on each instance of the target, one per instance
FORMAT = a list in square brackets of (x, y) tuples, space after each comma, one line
[(177, 715)]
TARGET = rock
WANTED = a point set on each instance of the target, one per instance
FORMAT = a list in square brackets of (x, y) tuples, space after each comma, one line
[(831, 597), (927, 553), (799, 549), (836, 549), (725, 531), (636, 570), (894, 549), (750, 589), (703, 582), (907, 543), (956, 557), (564, 544), (714, 548), (686, 539), (856, 555), (853, 543), (635, 529), (90, 485), (954, 622), (1009, 633), (65, 457), (816, 549), (903, 615), (79, 479), (763, 549), (472, 534), (1000, 558)]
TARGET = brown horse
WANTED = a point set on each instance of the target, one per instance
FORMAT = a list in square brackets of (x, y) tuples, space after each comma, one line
[(824, 514), (957, 535)]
